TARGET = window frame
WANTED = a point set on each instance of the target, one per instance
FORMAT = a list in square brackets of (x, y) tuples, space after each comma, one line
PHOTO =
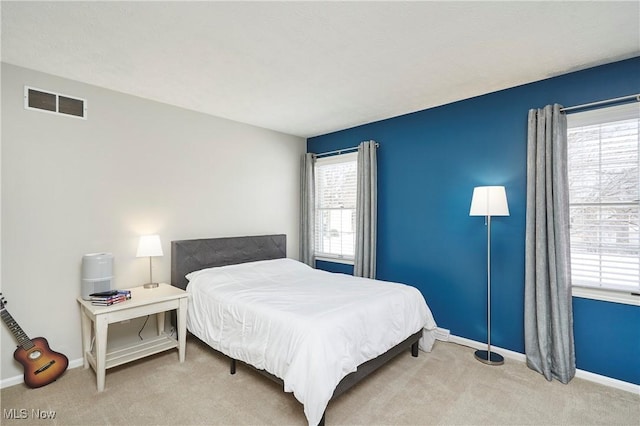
[(334, 159), (604, 293)]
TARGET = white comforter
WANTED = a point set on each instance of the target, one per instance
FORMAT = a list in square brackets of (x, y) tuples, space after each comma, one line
[(308, 327)]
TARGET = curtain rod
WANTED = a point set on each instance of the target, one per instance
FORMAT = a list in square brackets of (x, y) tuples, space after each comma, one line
[(606, 101), (340, 151)]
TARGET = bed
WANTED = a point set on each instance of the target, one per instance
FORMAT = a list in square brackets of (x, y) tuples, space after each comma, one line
[(315, 332)]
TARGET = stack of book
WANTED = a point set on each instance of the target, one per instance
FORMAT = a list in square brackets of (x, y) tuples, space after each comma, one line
[(107, 298)]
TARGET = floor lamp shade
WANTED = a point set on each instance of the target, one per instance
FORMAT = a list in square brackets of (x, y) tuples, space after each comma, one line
[(149, 246), (489, 201)]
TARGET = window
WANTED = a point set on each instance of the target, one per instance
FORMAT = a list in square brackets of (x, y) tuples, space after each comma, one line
[(604, 193), (336, 178)]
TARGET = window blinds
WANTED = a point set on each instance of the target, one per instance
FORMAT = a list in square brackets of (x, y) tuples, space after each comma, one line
[(336, 181), (604, 187)]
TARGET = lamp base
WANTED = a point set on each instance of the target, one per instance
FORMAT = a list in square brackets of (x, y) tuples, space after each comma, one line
[(489, 358), (150, 285)]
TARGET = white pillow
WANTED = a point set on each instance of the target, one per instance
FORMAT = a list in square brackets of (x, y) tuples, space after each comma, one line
[(272, 266)]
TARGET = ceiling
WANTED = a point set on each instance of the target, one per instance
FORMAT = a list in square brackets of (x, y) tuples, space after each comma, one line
[(309, 68)]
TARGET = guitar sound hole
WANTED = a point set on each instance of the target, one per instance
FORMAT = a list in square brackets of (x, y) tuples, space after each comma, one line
[(35, 354)]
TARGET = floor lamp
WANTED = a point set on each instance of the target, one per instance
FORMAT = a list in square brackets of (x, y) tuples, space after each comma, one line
[(489, 201)]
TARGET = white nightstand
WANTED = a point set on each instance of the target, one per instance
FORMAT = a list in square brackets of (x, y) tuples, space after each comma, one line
[(143, 302)]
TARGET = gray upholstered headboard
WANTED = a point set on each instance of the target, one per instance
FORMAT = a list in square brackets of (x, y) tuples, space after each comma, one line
[(192, 255)]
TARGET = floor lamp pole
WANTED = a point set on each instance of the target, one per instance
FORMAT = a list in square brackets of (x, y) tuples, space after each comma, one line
[(487, 356)]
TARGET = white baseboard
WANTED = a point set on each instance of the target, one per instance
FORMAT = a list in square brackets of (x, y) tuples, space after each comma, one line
[(16, 380), (442, 334), (608, 381), (581, 374), (479, 345)]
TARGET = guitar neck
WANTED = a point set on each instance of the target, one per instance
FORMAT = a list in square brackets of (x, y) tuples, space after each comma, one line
[(16, 330)]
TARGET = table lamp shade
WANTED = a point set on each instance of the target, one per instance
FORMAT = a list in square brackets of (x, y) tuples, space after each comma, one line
[(149, 246), (489, 201)]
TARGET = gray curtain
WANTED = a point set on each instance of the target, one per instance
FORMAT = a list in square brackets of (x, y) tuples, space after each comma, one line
[(366, 211), (307, 210), (548, 312)]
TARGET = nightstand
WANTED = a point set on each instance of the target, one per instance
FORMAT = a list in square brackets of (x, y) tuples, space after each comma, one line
[(144, 301)]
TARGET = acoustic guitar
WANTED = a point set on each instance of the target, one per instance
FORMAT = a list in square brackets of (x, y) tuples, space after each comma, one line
[(41, 365)]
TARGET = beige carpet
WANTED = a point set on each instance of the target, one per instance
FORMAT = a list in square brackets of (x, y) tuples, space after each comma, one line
[(444, 387)]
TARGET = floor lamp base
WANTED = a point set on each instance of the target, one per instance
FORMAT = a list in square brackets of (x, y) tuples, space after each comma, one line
[(489, 358)]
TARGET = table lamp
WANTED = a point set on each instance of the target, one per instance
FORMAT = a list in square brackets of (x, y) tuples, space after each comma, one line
[(149, 246)]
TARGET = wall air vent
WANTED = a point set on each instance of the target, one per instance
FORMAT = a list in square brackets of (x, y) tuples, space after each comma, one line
[(42, 100)]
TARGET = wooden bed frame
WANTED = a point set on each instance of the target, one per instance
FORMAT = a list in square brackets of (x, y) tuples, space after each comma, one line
[(192, 255)]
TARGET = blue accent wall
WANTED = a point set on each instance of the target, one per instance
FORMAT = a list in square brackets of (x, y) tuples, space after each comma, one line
[(334, 267), (428, 164), (607, 338)]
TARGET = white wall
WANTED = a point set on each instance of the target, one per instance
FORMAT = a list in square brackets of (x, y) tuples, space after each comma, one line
[(72, 186)]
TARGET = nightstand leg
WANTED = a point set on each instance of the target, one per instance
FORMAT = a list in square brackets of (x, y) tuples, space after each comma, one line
[(101, 327), (160, 321), (85, 321), (182, 328)]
